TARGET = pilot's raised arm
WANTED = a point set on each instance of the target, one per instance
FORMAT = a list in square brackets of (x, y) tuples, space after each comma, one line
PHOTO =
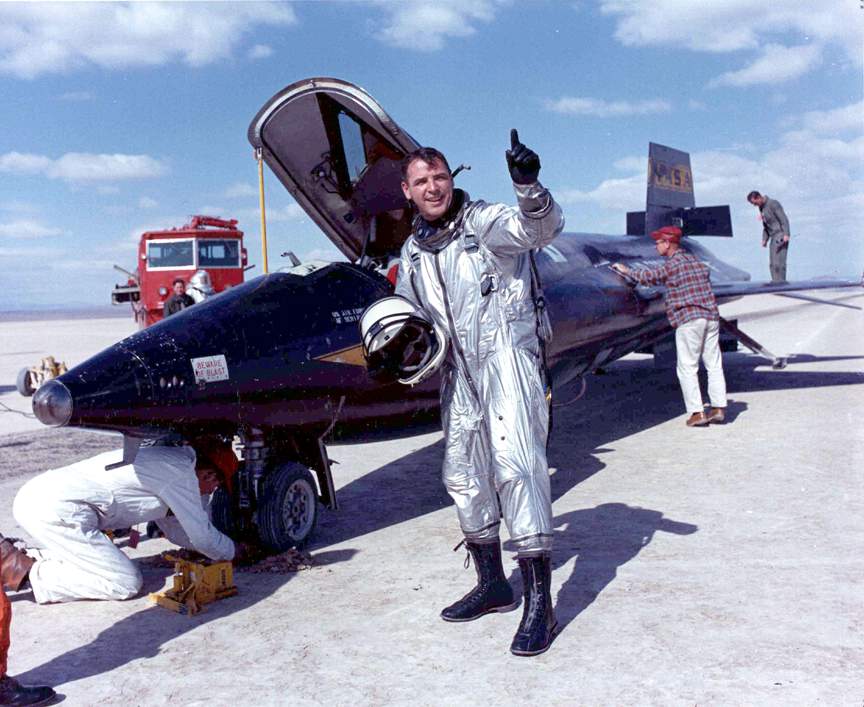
[(534, 223)]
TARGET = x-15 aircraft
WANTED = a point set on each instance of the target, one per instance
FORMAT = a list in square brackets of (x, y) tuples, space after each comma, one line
[(277, 360)]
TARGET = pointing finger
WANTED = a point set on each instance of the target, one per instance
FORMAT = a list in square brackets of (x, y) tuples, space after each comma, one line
[(514, 138)]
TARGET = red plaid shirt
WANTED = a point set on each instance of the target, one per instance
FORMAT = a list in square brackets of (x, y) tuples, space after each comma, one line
[(688, 288)]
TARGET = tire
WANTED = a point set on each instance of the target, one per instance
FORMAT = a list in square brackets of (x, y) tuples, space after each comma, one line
[(287, 508), (223, 515), (24, 383)]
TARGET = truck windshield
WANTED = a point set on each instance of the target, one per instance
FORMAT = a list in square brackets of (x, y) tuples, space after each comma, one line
[(218, 253), (170, 254)]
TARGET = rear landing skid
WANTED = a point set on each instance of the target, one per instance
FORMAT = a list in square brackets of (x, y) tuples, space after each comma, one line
[(777, 362)]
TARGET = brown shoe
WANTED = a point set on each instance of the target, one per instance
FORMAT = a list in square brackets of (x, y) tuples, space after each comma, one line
[(697, 419), (716, 414), (14, 566)]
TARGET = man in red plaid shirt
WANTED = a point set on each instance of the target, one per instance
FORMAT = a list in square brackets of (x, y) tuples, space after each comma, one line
[(692, 312)]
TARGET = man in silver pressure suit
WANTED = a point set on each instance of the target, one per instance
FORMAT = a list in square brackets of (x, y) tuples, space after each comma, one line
[(468, 267)]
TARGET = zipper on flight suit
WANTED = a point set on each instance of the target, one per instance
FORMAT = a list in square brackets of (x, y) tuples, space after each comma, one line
[(453, 335)]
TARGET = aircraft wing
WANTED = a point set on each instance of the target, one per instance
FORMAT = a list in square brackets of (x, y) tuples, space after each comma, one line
[(725, 291)]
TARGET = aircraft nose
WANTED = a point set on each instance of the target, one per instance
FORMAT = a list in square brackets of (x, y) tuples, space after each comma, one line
[(52, 404)]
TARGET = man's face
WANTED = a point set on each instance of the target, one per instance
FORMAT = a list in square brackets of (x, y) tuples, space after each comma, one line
[(757, 200), (208, 479), (430, 187), (179, 288), (662, 247)]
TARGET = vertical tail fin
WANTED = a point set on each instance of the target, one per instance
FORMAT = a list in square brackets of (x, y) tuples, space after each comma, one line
[(670, 200)]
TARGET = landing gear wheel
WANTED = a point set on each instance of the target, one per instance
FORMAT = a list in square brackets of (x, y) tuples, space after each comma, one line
[(288, 507), (24, 383), (223, 514)]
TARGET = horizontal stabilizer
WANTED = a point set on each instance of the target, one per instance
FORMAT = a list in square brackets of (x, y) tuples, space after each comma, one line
[(705, 221), (635, 223), (698, 221)]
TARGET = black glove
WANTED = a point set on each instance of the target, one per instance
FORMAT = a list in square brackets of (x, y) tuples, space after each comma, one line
[(523, 162)]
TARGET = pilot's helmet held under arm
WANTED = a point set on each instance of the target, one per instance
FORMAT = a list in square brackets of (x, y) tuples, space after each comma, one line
[(400, 343)]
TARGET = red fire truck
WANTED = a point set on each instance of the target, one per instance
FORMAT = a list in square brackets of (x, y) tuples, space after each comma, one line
[(208, 244)]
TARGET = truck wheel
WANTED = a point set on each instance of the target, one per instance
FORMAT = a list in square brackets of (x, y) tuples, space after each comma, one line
[(287, 507), (24, 383)]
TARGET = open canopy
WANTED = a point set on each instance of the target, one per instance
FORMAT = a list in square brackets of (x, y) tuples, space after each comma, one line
[(338, 153)]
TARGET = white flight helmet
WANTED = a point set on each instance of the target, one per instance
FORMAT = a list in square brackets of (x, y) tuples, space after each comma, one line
[(200, 286), (399, 342)]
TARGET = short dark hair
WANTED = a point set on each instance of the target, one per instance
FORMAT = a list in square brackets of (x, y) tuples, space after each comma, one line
[(176, 280), (753, 195), (427, 154)]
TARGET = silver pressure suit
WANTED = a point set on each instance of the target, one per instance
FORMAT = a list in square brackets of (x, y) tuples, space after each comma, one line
[(478, 287)]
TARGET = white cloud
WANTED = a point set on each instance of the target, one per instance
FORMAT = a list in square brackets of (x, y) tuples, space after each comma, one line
[(164, 224), (76, 96), (614, 194), (837, 120), (84, 167), (260, 51), (146, 202), (16, 206), (777, 64), (21, 163), (239, 190), (693, 104), (36, 257), (326, 254), (423, 26), (742, 25), (291, 212), (604, 109), (25, 228), (43, 38), (287, 213), (85, 265)]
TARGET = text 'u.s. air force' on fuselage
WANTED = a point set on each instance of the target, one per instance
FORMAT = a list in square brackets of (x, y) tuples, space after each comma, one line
[(277, 360)]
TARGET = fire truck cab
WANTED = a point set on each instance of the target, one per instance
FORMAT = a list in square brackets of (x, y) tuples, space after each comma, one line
[(206, 243)]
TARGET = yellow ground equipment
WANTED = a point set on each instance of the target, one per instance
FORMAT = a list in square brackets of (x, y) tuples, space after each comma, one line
[(29, 379), (196, 583)]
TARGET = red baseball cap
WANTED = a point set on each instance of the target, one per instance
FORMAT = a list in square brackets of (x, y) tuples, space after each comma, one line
[(667, 233)]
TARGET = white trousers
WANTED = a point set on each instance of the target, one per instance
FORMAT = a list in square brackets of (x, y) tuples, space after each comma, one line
[(700, 337), (77, 560)]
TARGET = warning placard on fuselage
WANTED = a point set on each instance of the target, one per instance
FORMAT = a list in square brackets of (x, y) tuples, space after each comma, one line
[(210, 368)]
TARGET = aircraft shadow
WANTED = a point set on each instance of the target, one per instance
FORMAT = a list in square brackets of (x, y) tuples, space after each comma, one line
[(144, 633)]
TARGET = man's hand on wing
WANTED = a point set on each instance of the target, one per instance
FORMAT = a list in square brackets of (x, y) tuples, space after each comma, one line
[(523, 162)]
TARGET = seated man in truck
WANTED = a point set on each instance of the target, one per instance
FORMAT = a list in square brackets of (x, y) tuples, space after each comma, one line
[(67, 510)]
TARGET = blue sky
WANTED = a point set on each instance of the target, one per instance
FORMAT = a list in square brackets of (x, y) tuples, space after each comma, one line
[(123, 117)]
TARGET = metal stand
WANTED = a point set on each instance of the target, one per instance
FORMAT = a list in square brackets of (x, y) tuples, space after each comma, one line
[(777, 362)]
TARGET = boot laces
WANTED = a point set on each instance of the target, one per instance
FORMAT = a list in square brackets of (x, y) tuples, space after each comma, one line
[(467, 553)]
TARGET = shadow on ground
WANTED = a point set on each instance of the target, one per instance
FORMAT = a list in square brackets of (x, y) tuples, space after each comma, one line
[(144, 633)]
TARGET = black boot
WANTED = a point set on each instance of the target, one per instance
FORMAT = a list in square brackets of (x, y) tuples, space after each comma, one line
[(14, 693), (537, 628), (492, 593)]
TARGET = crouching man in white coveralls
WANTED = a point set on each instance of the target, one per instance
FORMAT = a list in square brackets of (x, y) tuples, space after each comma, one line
[(468, 267), (66, 511)]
